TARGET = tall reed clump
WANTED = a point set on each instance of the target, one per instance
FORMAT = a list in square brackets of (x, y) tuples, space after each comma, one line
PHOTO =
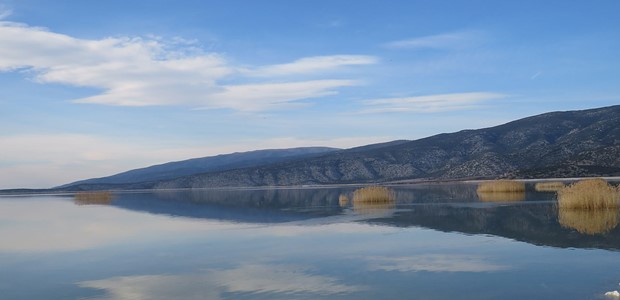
[(343, 200), (374, 200), (550, 186), (589, 194), (373, 194), (93, 198), (501, 186)]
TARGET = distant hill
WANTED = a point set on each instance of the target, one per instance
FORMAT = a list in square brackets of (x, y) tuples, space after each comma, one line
[(193, 166), (557, 144)]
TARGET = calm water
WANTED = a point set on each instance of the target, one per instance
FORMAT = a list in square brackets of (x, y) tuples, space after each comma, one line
[(433, 242)]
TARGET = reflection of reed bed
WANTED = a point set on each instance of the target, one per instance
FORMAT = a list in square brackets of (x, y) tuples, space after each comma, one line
[(501, 186), (589, 194), (589, 221), (374, 208), (501, 196), (552, 186), (501, 191), (93, 198)]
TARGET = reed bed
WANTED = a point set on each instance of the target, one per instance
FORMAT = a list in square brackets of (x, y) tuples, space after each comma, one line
[(589, 194), (343, 200), (550, 186), (373, 194), (377, 201), (589, 222), (93, 198), (501, 186)]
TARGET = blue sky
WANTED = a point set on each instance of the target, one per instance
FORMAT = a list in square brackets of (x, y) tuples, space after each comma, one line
[(92, 88)]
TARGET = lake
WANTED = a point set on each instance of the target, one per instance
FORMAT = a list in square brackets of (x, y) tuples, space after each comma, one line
[(436, 241)]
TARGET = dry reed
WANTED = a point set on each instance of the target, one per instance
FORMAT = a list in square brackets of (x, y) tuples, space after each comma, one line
[(501, 186), (589, 194), (343, 200), (93, 198), (551, 186), (377, 194), (374, 200), (589, 221)]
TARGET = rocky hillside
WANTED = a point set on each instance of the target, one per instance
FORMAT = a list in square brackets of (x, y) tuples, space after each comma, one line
[(558, 144), (193, 166)]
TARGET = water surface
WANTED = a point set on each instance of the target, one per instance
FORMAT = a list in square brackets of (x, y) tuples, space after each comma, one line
[(432, 242)]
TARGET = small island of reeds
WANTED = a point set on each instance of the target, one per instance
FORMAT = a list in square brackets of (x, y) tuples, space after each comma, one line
[(549, 186), (501, 191), (501, 186), (373, 194), (589, 194)]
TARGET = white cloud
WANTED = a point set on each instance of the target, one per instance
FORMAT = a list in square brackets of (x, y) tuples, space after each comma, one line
[(211, 284), (152, 71), (434, 263), (453, 40), (312, 65), (430, 103)]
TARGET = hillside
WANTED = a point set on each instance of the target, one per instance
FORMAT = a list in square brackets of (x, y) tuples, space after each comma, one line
[(557, 144), (193, 166)]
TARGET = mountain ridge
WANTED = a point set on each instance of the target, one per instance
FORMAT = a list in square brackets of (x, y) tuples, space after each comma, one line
[(555, 144)]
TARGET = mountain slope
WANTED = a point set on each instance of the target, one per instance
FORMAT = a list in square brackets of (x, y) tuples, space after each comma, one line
[(558, 144), (223, 162)]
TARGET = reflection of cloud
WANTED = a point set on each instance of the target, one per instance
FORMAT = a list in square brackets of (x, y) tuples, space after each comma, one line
[(52, 225), (253, 278), (434, 263)]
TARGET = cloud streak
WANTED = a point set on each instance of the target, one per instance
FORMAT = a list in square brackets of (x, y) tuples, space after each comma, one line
[(313, 64), (452, 40), (429, 103), (152, 71)]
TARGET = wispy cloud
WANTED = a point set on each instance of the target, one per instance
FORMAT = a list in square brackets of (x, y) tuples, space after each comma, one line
[(5, 12), (151, 71), (430, 103), (452, 40), (312, 65)]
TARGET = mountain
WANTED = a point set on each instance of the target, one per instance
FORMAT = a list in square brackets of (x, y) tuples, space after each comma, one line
[(193, 166), (557, 144)]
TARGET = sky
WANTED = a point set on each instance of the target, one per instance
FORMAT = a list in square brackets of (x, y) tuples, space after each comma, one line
[(93, 88)]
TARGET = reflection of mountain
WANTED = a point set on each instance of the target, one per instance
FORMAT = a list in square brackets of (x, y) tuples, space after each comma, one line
[(440, 207), (534, 223), (249, 206)]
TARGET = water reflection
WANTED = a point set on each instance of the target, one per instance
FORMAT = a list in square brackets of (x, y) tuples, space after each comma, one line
[(254, 280), (434, 263), (589, 221), (501, 196), (93, 198)]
